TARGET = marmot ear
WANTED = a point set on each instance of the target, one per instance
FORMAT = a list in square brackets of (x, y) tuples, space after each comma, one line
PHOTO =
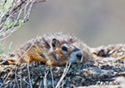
[(55, 43)]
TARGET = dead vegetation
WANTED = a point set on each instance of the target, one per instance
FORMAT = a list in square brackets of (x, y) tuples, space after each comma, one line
[(104, 71)]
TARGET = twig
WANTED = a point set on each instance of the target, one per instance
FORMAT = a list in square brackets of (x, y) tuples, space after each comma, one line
[(40, 84), (21, 82), (64, 74), (26, 51), (45, 77), (52, 77), (16, 80), (29, 76)]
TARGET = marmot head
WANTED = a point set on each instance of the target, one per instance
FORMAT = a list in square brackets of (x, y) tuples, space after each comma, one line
[(67, 51)]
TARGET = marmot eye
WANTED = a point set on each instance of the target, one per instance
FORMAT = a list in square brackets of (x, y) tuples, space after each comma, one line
[(64, 48)]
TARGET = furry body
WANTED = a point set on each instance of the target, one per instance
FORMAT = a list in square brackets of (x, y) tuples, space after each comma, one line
[(52, 49)]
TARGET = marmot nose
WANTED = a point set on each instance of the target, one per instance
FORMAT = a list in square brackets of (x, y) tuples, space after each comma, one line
[(79, 56)]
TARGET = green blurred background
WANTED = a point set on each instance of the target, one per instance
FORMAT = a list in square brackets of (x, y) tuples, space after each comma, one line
[(96, 22)]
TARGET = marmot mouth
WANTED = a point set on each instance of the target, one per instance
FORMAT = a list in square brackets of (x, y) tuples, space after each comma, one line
[(76, 56)]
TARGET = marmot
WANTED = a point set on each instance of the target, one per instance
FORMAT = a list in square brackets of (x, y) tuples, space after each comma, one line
[(52, 49)]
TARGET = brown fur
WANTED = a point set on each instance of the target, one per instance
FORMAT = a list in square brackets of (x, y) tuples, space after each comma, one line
[(40, 49)]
